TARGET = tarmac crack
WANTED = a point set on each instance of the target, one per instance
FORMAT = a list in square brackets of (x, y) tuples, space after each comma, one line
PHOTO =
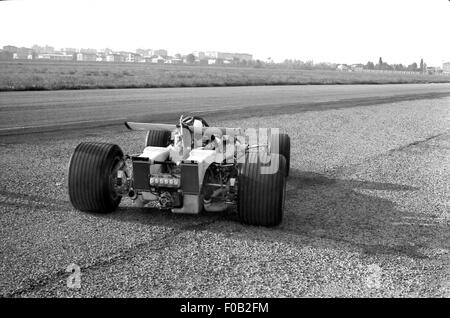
[(338, 170), (418, 142)]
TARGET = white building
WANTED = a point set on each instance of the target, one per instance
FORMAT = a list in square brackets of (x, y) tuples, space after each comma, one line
[(160, 52), (87, 57), (22, 56), (69, 51), (199, 55), (55, 57), (229, 56), (357, 67), (88, 51), (106, 51), (446, 68), (115, 57), (343, 68), (158, 59), (132, 57), (145, 52)]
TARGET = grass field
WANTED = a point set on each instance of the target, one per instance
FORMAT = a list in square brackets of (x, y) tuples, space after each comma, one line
[(46, 75)]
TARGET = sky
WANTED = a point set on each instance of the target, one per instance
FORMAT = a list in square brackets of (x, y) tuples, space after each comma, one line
[(339, 31)]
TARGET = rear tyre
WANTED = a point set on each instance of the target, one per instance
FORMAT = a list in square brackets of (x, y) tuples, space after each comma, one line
[(157, 138), (284, 148), (261, 194), (91, 174)]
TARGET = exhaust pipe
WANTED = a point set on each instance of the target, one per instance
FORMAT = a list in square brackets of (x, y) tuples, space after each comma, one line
[(132, 194)]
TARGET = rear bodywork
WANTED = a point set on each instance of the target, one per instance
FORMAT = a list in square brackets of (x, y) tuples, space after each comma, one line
[(197, 170)]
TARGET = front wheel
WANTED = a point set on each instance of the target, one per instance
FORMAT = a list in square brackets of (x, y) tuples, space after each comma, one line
[(92, 172), (157, 138)]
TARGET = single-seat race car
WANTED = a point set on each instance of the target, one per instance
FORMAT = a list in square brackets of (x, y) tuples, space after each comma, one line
[(187, 167)]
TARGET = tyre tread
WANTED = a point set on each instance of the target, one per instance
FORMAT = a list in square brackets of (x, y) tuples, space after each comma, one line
[(261, 195), (88, 179)]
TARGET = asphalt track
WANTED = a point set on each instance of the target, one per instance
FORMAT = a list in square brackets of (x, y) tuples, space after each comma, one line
[(37, 111), (367, 209)]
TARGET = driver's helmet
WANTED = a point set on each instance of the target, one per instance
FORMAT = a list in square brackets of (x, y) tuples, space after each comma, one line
[(193, 121)]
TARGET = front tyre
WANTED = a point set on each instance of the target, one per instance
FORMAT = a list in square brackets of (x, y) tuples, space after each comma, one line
[(92, 172), (262, 189), (157, 138)]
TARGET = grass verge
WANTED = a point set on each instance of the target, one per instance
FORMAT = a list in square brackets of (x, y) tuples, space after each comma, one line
[(46, 75)]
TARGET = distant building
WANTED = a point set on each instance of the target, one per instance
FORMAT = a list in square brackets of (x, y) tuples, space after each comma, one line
[(87, 57), (243, 57), (343, 68), (115, 57), (132, 57), (237, 57), (10, 48), (55, 57), (160, 52), (199, 55), (69, 51), (88, 51), (145, 52), (158, 59), (159, 56), (24, 53), (173, 60), (176, 61), (49, 49), (432, 70), (446, 68), (357, 67), (106, 51), (43, 49), (141, 51), (22, 56), (38, 49), (211, 54)]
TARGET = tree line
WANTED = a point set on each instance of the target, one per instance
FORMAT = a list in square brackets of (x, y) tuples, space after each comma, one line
[(381, 65), (396, 67)]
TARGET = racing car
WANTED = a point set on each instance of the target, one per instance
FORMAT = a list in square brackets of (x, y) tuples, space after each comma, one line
[(187, 167)]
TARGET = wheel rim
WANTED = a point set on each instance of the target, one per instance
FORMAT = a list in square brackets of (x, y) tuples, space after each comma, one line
[(113, 176)]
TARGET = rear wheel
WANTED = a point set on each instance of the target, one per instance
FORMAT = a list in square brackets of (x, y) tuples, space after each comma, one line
[(262, 189), (157, 138), (92, 172)]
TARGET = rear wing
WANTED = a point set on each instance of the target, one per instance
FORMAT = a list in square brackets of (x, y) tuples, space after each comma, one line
[(149, 126), (171, 127)]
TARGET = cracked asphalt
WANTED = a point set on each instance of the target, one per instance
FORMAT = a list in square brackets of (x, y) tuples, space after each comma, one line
[(367, 215)]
